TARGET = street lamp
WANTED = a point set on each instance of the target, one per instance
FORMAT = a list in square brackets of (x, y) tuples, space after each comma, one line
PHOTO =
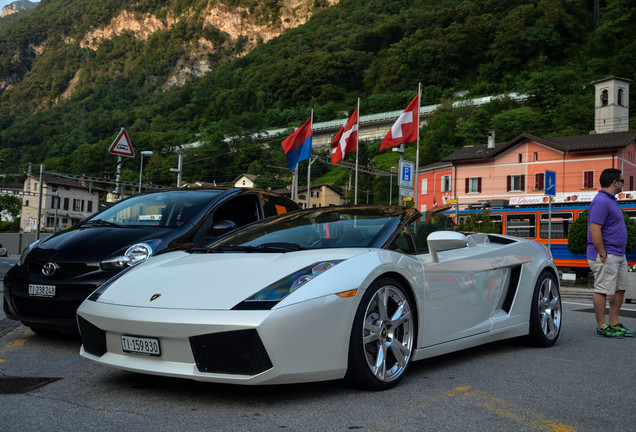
[(141, 165), (391, 186)]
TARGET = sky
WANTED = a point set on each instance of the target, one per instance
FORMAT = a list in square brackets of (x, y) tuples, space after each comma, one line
[(3, 3)]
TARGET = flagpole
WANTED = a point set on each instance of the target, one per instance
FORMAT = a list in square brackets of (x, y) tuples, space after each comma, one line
[(417, 151), (355, 199), (311, 125)]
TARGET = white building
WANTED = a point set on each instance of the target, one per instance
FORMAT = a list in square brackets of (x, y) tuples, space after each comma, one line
[(64, 203), (245, 180)]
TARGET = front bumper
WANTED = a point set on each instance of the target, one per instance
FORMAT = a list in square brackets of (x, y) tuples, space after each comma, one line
[(300, 343), (54, 313)]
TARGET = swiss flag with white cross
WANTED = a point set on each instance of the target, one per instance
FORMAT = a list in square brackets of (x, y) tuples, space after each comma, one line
[(404, 130)]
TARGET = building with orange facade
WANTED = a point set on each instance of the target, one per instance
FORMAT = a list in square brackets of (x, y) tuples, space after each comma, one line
[(514, 172)]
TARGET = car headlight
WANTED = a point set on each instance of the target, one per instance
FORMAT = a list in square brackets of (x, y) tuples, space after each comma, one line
[(133, 255), (28, 249), (274, 293)]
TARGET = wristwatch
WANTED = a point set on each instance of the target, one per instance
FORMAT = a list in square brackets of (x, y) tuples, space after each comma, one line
[(603, 255)]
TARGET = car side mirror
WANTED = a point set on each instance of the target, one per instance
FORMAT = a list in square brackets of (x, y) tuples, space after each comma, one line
[(445, 240), (221, 227)]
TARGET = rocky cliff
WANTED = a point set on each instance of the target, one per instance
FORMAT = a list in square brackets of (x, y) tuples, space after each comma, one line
[(17, 6)]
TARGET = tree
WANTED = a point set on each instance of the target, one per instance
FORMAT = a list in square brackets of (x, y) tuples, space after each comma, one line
[(480, 222), (10, 205)]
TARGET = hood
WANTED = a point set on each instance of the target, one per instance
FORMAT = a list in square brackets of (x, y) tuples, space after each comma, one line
[(95, 243), (215, 281)]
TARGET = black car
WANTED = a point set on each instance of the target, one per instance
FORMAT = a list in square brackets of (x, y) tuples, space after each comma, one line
[(54, 275)]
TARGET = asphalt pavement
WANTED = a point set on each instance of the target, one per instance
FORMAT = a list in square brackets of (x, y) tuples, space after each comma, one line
[(6, 263)]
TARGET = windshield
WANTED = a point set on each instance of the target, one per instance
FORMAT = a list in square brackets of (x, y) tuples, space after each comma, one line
[(333, 227), (168, 209)]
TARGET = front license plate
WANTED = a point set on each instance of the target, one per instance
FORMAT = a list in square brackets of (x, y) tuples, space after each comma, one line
[(141, 346), (41, 290)]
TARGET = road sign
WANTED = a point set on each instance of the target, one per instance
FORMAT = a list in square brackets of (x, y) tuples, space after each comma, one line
[(122, 146), (406, 174), (550, 183), (406, 192)]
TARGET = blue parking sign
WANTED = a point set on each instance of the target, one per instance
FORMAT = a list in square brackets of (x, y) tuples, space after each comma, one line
[(407, 174)]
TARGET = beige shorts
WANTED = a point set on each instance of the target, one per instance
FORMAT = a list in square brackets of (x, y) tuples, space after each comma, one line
[(611, 276)]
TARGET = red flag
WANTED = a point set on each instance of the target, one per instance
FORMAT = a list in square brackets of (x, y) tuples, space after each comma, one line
[(346, 139), (404, 130), (434, 203)]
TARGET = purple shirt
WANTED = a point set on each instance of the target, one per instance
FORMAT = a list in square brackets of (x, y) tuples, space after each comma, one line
[(604, 210)]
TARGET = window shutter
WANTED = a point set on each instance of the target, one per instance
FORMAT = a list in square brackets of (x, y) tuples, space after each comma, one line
[(479, 184), (467, 184), (523, 182), (508, 182), (539, 179)]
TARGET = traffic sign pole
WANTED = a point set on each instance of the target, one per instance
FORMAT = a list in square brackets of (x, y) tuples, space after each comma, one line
[(117, 178), (121, 147), (550, 191)]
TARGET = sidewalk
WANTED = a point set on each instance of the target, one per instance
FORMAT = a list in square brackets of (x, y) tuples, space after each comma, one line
[(575, 292)]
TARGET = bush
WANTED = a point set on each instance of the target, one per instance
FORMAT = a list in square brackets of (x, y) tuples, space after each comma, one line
[(577, 236)]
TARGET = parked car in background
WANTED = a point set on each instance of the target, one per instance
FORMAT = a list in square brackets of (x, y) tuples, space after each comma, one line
[(54, 275), (322, 294)]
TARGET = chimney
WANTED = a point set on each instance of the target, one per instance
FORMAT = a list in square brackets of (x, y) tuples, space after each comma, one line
[(491, 139)]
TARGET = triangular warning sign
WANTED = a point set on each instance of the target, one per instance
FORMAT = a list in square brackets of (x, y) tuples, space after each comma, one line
[(121, 146)]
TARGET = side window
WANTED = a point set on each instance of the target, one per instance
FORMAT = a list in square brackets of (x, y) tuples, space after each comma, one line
[(403, 242), (521, 225), (241, 210), (561, 223), (274, 205)]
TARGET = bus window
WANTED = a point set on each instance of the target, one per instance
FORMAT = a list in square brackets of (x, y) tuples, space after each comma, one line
[(497, 221), (481, 222), (560, 225), (521, 225)]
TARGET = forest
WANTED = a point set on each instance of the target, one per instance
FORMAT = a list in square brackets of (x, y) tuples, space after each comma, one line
[(375, 50)]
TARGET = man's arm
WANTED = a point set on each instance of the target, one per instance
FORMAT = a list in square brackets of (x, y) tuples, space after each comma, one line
[(597, 239)]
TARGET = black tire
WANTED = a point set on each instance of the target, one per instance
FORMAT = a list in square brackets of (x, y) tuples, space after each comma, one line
[(383, 336), (545, 311)]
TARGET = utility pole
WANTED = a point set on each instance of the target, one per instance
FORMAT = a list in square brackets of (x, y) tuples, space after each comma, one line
[(179, 169), (38, 219)]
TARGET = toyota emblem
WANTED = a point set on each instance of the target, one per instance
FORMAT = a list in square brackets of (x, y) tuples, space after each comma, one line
[(49, 269)]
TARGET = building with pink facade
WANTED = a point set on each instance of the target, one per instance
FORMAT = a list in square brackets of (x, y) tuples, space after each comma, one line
[(514, 172)]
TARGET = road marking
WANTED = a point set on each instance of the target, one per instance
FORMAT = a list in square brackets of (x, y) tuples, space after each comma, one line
[(512, 411), (17, 343), (499, 406)]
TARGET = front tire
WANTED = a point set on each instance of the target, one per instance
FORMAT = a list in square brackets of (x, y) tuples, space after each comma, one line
[(382, 337), (545, 311)]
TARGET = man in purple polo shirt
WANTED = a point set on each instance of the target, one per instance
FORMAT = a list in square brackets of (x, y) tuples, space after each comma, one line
[(606, 241)]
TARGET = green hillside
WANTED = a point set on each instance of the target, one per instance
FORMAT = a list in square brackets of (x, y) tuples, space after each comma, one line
[(375, 50)]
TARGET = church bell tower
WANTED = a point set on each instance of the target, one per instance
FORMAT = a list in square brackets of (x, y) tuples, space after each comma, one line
[(611, 105)]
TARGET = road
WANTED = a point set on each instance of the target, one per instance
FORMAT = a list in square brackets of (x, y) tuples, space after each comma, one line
[(583, 383)]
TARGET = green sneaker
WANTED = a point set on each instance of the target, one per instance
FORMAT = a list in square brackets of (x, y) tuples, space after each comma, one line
[(609, 332), (626, 332)]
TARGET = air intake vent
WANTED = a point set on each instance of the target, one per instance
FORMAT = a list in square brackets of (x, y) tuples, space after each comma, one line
[(93, 338), (239, 352), (515, 274)]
